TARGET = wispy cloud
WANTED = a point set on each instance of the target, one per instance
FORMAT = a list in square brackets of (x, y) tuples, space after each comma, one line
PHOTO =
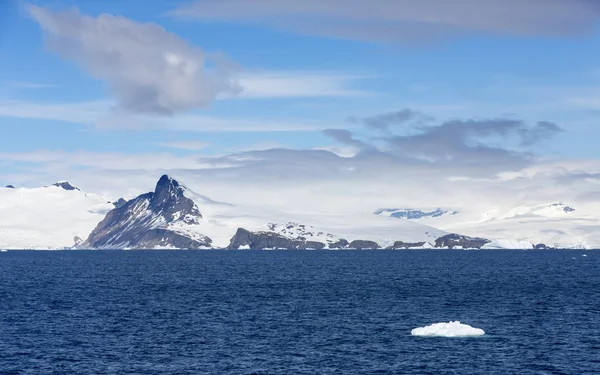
[(98, 114), (30, 85), (384, 121), (300, 84), (86, 113), (185, 145), (405, 20)]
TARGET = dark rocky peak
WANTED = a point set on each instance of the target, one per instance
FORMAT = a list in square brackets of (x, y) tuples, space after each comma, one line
[(120, 203), (167, 192), (65, 185), (169, 201), (10, 187)]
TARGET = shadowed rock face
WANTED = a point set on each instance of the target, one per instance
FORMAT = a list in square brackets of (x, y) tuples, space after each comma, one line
[(120, 203), (269, 240), (144, 222), (10, 187), (456, 240), (542, 246), (406, 245), (363, 245), (65, 185), (169, 201)]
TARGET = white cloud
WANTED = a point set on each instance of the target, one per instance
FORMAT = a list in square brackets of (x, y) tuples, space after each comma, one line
[(299, 84), (148, 69), (80, 113), (30, 85), (185, 145), (588, 103), (405, 20), (306, 180), (97, 113)]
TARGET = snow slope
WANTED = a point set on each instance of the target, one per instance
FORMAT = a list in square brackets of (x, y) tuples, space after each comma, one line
[(554, 224), (220, 221), (48, 217)]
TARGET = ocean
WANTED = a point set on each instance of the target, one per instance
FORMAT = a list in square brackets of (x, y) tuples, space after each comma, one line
[(298, 312)]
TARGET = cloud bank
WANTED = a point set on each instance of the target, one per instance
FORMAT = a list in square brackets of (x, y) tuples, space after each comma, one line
[(405, 20), (459, 163)]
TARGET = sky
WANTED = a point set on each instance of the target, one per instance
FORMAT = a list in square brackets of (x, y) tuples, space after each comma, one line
[(317, 104)]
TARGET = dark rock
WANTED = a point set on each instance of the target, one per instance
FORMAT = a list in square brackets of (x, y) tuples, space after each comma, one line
[(168, 200), (77, 240), (143, 222), (456, 240), (541, 246), (316, 245), (10, 187), (269, 240), (120, 203), (65, 185), (363, 245), (406, 245)]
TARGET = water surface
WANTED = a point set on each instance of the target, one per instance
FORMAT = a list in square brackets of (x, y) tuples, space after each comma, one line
[(297, 312)]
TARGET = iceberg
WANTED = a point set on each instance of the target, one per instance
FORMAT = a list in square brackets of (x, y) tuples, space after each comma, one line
[(450, 329)]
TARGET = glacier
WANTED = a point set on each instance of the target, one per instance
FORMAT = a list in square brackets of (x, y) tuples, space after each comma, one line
[(49, 217)]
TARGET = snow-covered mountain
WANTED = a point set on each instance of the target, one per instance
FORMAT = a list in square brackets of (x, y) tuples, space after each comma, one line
[(165, 218), (413, 214), (174, 216), (552, 224), (49, 217)]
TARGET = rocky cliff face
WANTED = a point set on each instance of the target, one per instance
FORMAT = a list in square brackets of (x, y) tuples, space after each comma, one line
[(406, 245), (65, 185), (153, 220), (244, 239), (363, 245), (452, 241)]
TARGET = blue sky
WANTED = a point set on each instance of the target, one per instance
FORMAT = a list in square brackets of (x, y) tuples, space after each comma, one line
[(286, 71)]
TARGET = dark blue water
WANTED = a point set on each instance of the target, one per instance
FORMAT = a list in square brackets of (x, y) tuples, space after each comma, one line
[(311, 312)]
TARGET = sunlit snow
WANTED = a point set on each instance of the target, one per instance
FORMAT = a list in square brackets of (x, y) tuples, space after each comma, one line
[(450, 329)]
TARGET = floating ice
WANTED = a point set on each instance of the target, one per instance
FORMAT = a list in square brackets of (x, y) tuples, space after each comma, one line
[(450, 329)]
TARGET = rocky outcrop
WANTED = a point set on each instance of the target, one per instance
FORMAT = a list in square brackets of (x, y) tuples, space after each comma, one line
[(65, 185), (244, 239), (77, 241), (406, 245), (363, 245), (120, 203), (456, 240), (159, 219), (10, 187), (541, 246)]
